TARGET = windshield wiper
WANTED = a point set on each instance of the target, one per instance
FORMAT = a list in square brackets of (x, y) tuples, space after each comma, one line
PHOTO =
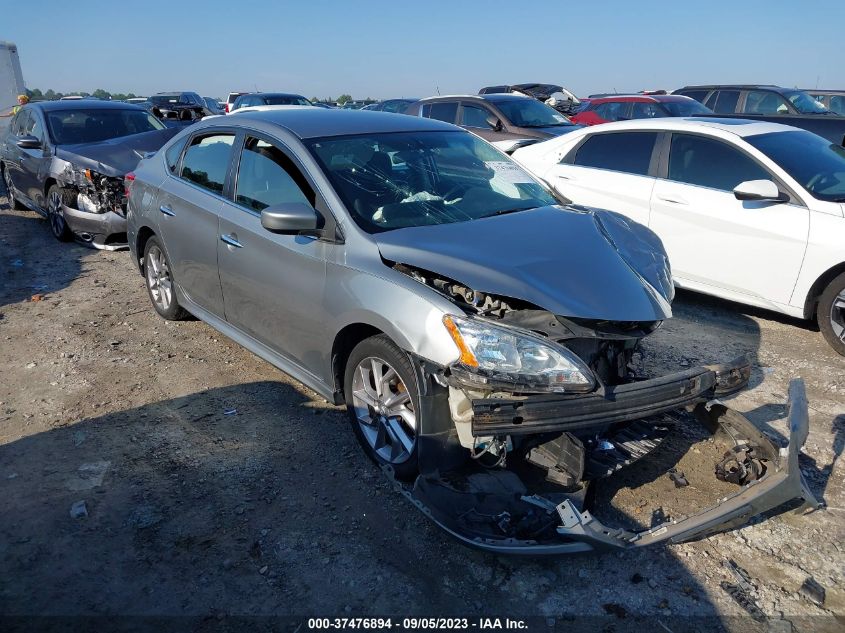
[(506, 211)]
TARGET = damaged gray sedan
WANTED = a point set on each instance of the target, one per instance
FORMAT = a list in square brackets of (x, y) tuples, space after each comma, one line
[(67, 160), (480, 332)]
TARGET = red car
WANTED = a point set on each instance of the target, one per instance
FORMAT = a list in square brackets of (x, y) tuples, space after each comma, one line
[(604, 109)]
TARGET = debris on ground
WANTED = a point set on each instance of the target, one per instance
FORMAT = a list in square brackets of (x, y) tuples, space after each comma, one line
[(744, 599), (811, 589), (78, 510), (678, 478)]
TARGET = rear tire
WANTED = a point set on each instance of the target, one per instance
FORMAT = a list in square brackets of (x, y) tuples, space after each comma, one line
[(56, 198), (830, 314), (7, 181), (161, 287), (383, 403)]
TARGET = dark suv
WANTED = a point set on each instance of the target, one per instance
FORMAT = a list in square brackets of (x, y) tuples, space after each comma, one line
[(753, 99), (508, 121), (789, 106)]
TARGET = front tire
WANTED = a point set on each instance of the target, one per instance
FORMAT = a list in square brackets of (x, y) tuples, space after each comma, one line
[(7, 180), (383, 402), (830, 314), (159, 281), (56, 199)]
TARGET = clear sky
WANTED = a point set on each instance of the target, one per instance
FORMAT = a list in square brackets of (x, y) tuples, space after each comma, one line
[(396, 48)]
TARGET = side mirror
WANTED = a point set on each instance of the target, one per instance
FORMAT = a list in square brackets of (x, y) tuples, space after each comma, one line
[(290, 218), (494, 123), (760, 190), (28, 142)]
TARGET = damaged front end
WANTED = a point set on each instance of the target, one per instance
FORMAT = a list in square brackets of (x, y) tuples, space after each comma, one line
[(93, 193), (540, 410), (94, 207)]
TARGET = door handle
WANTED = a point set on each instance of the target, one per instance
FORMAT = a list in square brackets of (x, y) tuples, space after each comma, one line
[(673, 199), (166, 210), (231, 241)]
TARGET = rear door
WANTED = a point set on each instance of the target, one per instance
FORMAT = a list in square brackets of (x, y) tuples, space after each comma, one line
[(190, 205), (273, 285), (716, 242), (610, 170)]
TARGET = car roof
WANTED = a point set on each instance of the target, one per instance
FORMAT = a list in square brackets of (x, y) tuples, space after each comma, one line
[(270, 94), (495, 96), (310, 122), (639, 98), (737, 127), (738, 87), (84, 104)]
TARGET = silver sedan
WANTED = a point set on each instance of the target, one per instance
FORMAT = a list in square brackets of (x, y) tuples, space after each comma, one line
[(479, 330)]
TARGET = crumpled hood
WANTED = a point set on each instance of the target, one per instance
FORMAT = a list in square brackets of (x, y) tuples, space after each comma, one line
[(116, 156), (572, 261)]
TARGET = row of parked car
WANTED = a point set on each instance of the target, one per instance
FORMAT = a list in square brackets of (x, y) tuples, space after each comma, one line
[(478, 326)]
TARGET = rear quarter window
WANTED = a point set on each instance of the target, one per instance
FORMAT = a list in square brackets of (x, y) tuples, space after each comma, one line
[(627, 152)]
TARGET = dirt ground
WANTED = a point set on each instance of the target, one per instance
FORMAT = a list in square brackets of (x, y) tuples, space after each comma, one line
[(215, 486)]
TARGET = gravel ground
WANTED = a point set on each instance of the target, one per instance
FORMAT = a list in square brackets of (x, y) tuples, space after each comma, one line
[(213, 485)]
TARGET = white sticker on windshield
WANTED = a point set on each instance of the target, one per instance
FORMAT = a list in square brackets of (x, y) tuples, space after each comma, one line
[(508, 172)]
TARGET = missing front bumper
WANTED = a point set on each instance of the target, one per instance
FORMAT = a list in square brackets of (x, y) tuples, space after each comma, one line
[(474, 507)]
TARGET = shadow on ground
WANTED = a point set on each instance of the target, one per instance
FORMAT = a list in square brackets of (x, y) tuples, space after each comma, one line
[(33, 262), (252, 500)]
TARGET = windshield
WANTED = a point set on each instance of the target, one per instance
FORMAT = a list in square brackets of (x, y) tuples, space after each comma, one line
[(530, 113), (813, 161), (285, 100), (804, 103), (391, 181), (687, 107), (89, 126)]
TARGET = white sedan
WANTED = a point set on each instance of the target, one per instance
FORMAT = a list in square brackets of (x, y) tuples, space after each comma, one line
[(748, 211)]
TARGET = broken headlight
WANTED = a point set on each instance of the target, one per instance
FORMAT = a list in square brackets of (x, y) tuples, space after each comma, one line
[(508, 358)]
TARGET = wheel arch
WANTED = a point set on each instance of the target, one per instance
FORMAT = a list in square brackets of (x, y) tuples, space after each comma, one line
[(812, 300), (144, 235), (344, 342)]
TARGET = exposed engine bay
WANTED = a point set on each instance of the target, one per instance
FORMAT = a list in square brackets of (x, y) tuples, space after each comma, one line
[(516, 471), (88, 190)]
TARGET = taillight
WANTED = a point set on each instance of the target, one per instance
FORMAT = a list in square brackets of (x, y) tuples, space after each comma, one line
[(128, 179), (227, 107)]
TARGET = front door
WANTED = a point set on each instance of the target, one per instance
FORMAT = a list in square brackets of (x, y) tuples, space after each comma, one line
[(273, 284), (715, 241)]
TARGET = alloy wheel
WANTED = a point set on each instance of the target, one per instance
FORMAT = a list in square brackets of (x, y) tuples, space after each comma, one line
[(55, 214), (158, 278), (384, 410), (837, 316)]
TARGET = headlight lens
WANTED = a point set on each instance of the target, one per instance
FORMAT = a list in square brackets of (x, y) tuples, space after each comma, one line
[(494, 356)]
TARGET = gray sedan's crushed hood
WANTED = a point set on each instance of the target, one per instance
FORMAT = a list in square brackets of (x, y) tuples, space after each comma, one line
[(117, 156), (571, 261)]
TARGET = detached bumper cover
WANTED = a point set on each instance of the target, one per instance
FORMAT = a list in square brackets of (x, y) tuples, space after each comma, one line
[(578, 531)]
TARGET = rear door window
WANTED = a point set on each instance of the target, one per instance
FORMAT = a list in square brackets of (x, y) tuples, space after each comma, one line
[(267, 177), (723, 101), (628, 152), (644, 110), (698, 95), (707, 162), (206, 161), (614, 111), (442, 111), (172, 156)]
